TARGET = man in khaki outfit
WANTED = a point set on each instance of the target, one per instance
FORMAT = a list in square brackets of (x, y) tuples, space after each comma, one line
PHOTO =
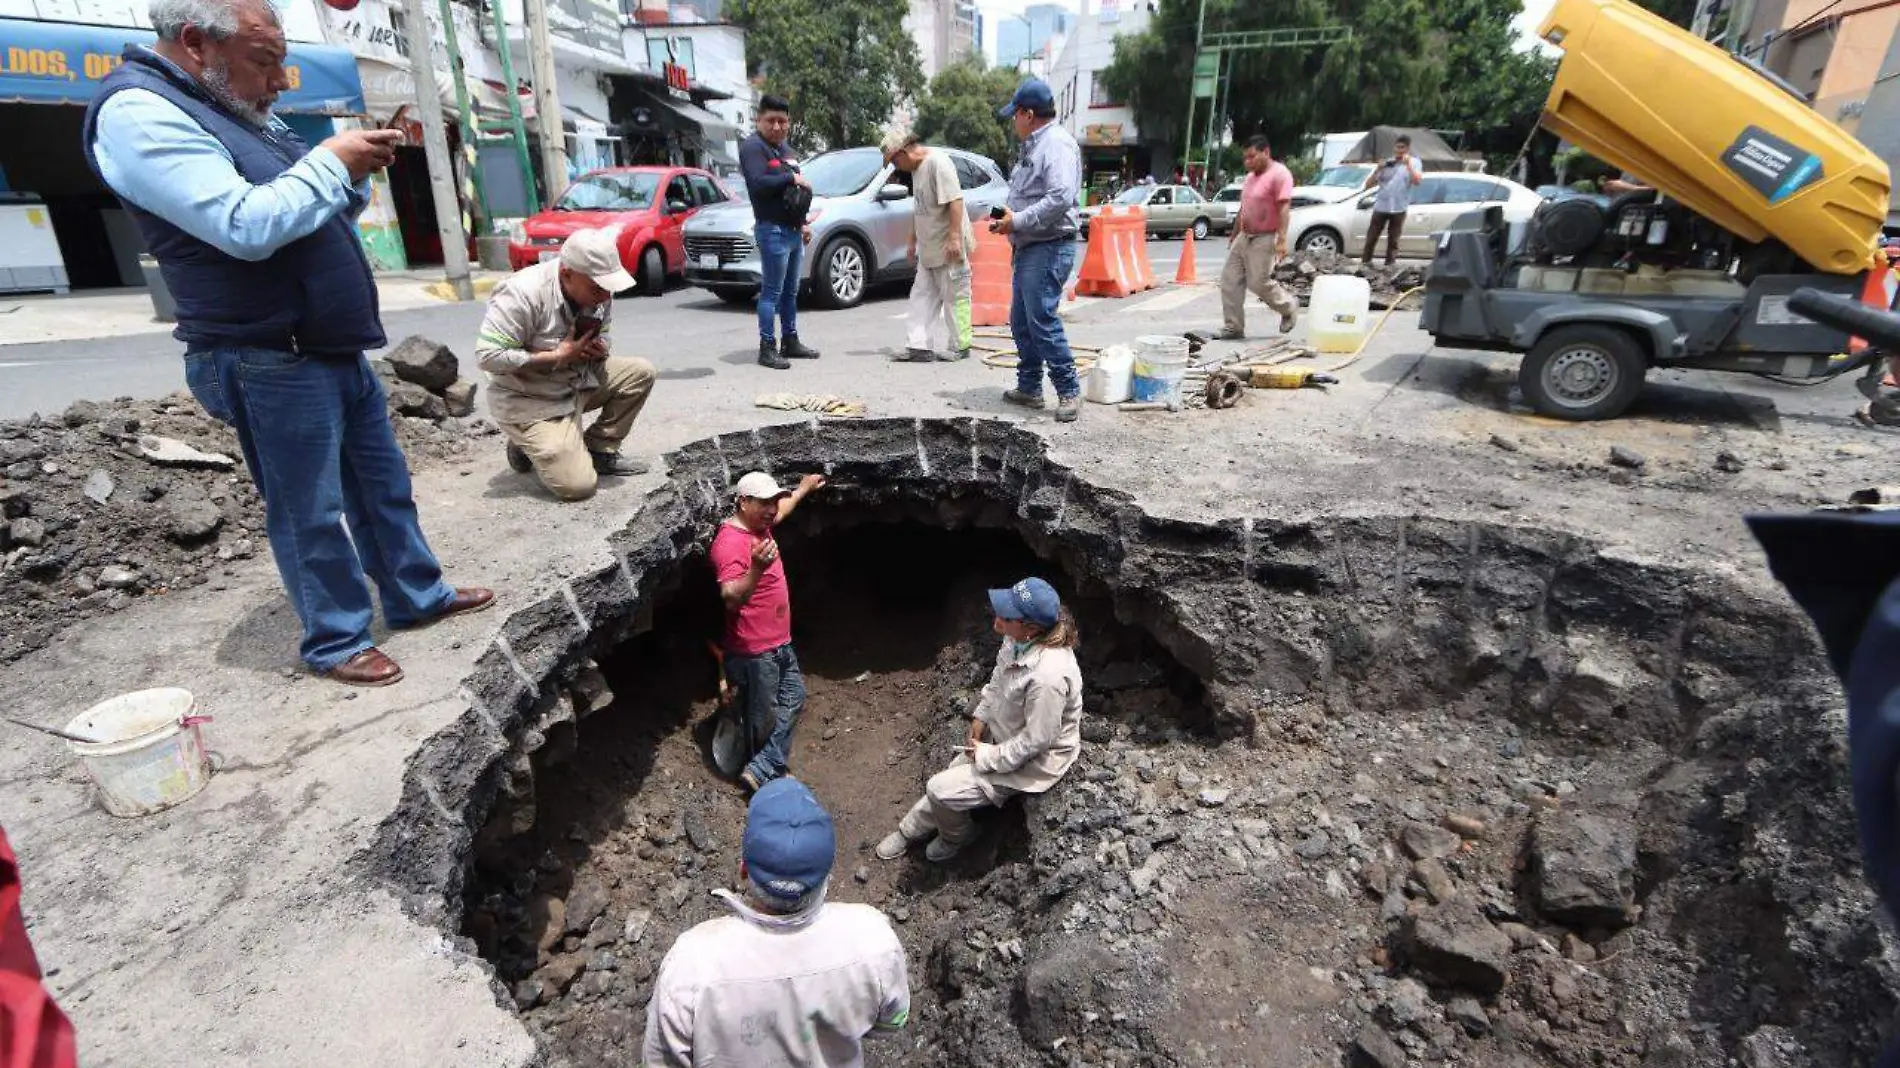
[(940, 242), (1259, 236), (544, 344)]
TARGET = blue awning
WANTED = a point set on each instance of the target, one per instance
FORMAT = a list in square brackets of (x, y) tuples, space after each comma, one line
[(64, 62)]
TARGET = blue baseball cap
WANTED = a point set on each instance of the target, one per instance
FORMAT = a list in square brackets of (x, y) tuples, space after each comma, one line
[(1032, 95), (789, 843), (1031, 599)]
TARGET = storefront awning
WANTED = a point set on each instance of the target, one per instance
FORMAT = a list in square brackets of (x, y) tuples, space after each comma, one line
[(63, 63), (711, 127)]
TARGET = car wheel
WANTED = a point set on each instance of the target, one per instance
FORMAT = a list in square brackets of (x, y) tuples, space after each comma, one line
[(1582, 372), (1200, 229), (736, 296), (842, 274), (1321, 240), (650, 280)]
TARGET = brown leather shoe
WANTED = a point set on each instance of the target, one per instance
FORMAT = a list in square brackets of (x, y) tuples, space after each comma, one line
[(468, 599), (371, 667)]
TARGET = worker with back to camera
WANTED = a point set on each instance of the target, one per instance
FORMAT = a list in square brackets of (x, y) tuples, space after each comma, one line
[(1026, 731)]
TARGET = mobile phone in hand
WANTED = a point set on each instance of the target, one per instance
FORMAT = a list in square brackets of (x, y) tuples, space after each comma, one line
[(998, 212), (587, 327)]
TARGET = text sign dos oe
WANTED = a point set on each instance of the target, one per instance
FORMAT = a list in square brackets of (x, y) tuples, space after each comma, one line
[(61, 65)]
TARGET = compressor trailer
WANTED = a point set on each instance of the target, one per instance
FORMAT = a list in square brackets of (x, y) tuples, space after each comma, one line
[(1753, 196)]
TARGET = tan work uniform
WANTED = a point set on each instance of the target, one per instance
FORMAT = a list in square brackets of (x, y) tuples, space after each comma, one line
[(540, 409), (1032, 707)]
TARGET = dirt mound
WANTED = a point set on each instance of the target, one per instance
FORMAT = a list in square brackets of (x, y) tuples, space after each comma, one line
[(109, 502)]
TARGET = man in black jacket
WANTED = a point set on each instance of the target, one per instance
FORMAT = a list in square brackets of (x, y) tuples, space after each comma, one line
[(778, 225)]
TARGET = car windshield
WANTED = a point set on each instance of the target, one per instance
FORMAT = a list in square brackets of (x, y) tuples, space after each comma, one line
[(841, 174), (735, 188), (1137, 195), (609, 192), (1232, 192), (1349, 176)]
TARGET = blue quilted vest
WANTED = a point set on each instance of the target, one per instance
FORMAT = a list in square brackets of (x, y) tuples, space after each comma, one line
[(315, 295)]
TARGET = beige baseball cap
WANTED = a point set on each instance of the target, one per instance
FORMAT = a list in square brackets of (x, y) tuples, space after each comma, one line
[(760, 487), (596, 254)]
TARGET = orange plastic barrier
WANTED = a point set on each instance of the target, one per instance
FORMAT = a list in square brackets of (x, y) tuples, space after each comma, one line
[(992, 266), (1115, 264), (1185, 274)]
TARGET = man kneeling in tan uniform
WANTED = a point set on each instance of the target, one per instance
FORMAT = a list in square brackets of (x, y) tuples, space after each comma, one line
[(545, 347)]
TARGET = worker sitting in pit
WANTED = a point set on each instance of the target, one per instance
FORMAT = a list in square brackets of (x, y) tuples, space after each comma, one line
[(1024, 735)]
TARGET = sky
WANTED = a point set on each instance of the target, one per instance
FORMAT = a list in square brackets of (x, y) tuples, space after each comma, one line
[(995, 10)]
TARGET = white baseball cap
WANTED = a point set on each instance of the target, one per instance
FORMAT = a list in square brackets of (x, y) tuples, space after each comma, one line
[(596, 254), (760, 487)]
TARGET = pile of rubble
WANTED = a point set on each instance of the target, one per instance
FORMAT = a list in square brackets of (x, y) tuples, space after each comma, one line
[(1298, 271), (108, 502)]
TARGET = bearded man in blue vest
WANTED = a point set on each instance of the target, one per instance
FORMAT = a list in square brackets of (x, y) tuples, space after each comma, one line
[(253, 231)]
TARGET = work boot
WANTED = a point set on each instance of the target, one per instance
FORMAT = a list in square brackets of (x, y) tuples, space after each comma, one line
[(917, 356), (518, 460), (612, 463), (939, 850), (1021, 399), (893, 846), (797, 350), (1068, 408), (952, 357), (769, 356), (1231, 335)]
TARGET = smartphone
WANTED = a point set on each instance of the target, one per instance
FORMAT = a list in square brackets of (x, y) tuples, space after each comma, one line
[(587, 327), (997, 212)]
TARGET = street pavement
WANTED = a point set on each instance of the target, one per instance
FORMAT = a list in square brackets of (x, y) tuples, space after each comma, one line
[(677, 331)]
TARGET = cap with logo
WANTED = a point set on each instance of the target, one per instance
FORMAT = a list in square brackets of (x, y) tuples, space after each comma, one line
[(759, 486), (789, 844), (1031, 599), (596, 254), (1033, 95)]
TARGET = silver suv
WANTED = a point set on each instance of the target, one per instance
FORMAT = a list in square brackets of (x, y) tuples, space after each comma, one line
[(860, 225)]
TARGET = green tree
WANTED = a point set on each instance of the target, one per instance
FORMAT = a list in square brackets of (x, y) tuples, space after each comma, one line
[(845, 65), (959, 109), (1408, 63)]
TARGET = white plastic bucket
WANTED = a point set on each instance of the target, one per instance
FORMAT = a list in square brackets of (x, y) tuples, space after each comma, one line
[(150, 753), (1161, 362), (1110, 380), (1340, 312)]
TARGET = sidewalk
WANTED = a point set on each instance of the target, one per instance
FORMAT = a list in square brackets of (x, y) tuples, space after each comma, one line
[(100, 313)]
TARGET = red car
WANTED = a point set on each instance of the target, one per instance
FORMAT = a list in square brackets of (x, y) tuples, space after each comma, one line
[(630, 198)]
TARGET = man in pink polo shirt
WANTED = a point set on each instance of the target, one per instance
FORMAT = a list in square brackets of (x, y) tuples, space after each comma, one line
[(1259, 236), (768, 688)]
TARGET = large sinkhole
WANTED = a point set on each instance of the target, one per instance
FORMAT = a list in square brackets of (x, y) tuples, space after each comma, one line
[(1390, 789)]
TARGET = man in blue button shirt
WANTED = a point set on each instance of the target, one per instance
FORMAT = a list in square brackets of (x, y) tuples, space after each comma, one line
[(1041, 222), (276, 304)]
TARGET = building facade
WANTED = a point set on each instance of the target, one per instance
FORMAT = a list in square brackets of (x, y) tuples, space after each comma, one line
[(1112, 147)]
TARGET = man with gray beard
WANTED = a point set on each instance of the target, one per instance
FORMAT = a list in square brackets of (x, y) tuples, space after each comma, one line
[(253, 232)]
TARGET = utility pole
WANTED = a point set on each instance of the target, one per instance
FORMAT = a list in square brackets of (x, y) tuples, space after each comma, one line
[(547, 100), (1194, 90), (435, 145)]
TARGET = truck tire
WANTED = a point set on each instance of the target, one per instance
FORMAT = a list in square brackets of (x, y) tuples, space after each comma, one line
[(1582, 372)]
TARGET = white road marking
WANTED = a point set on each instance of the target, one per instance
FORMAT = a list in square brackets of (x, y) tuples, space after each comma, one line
[(1166, 301)]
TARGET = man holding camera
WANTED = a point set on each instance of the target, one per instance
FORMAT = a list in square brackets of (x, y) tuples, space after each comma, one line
[(544, 345), (781, 199), (1394, 179)]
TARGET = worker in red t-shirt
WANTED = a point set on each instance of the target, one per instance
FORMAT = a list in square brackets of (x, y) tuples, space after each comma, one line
[(33, 1032), (768, 688)]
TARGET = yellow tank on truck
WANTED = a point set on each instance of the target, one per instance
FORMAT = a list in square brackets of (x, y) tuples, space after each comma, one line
[(1689, 119)]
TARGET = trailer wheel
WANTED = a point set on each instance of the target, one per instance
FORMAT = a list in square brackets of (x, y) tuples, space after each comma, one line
[(1582, 372)]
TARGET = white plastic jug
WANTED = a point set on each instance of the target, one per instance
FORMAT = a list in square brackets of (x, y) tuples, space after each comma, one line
[(1340, 312), (1110, 379)]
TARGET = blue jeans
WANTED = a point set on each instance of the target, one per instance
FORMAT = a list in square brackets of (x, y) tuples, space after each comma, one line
[(317, 438), (769, 691), (781, 255), (1041, 271)]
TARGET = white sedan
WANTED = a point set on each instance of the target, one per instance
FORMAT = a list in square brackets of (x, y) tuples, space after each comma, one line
[(1437, 201)]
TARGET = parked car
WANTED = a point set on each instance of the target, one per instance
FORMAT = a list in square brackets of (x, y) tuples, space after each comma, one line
[(1332, 185), (860, 222), (1172, 209), (650, 205), (1228, 197), (1437, 200)]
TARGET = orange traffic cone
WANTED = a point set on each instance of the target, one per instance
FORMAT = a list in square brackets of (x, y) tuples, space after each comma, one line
[(1184, 274)]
